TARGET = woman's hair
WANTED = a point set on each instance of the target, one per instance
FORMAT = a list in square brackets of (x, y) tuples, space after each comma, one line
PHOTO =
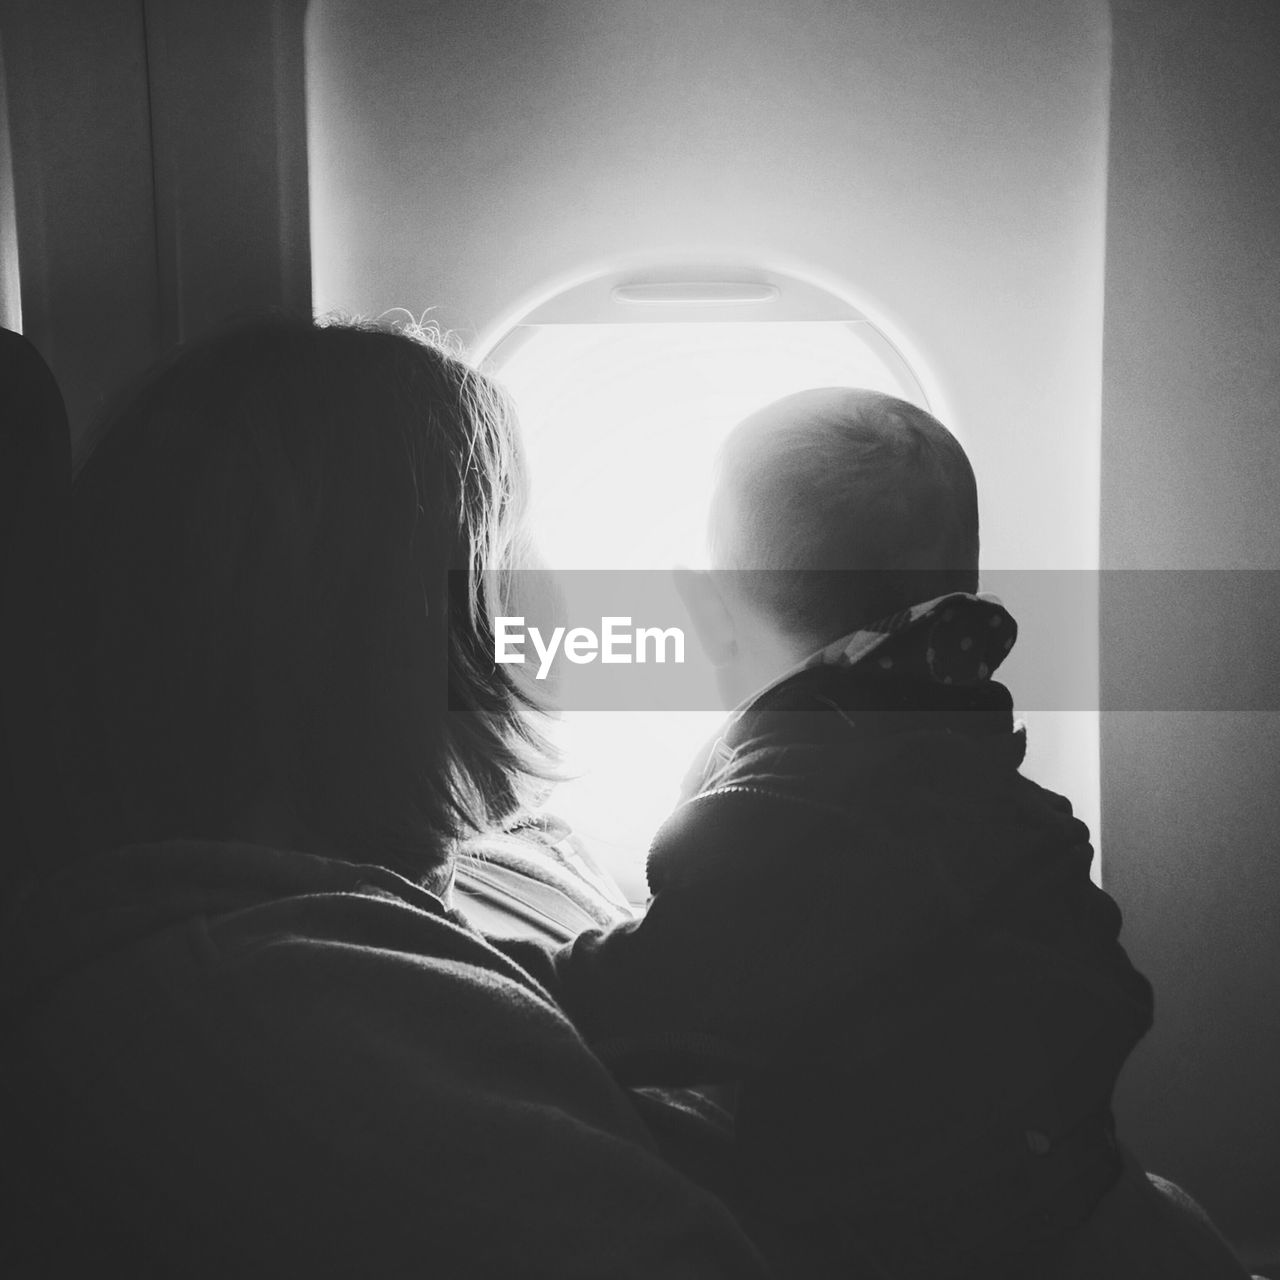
[(286, 543)]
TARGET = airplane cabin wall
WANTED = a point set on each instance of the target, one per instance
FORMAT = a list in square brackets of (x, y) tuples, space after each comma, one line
[(75, 77), (1190, 476), (159, 176)]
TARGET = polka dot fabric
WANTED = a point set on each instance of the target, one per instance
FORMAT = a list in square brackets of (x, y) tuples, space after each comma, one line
[(954, 640)]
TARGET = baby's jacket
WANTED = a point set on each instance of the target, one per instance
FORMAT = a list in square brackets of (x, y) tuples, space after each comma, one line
[(885, 939)]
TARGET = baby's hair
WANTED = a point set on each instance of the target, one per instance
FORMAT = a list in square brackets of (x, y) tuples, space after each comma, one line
[(844, 506)]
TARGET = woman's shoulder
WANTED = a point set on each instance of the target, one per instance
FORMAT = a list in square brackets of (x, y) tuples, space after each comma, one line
[(233, 905), (244, 946), (341, 1066)]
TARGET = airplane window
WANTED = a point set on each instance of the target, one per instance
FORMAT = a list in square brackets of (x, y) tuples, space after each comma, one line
[(621, 423)]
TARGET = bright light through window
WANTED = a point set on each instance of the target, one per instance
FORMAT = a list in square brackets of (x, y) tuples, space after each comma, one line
[(622, 423)]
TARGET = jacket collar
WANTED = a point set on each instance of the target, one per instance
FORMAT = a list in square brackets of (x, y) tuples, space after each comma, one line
[(935, 659)]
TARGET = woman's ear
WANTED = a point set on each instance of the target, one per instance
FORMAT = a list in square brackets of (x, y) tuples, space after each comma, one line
[(713, 622)]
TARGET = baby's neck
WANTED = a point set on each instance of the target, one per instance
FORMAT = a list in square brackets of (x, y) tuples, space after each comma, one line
[(767, 658)]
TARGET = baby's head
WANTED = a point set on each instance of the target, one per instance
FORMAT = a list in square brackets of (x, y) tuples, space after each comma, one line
[(832, 508)]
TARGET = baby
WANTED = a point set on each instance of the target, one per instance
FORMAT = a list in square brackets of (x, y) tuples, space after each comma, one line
[(863, 917)]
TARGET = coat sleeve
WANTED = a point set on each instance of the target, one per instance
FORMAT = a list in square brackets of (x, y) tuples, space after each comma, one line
[(773, 917), (741, 942)]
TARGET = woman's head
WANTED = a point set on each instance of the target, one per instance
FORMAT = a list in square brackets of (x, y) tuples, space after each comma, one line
[(281, 541)]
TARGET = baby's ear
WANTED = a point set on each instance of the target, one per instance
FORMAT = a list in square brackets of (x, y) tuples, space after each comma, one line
[(712, 620)]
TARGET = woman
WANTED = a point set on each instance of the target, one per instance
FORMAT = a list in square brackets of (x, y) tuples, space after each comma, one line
[(249, 1035)]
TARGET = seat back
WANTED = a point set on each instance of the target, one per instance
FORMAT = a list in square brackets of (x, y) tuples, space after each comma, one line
[(35, 492)]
